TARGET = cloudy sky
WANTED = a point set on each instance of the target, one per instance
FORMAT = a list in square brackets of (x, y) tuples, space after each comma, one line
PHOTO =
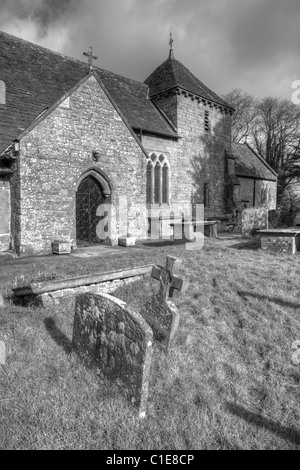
[(250, 44)]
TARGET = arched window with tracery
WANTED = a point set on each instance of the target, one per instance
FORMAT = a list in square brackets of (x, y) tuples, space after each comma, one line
[(149, 188), (157, 183), (158, 180), (165, 184)]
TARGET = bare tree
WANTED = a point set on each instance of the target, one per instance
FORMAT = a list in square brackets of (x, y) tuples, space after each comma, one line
[(277, 138), (244, 117), (273, 127)]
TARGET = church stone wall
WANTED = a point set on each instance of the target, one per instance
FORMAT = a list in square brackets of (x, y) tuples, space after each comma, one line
[(201, 154), (56, 153), (4, 215), (265, 192)]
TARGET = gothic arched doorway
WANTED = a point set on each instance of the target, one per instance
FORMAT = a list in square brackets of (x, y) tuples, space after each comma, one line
[(89, 197)]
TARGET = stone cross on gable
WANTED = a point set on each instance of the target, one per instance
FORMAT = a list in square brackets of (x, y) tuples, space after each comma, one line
[(91, 57), (169, 282)]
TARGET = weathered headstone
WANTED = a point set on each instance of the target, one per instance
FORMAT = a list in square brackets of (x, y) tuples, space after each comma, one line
[(297, 219), (160, 312), (2, 304), (110, 335), (253, 219)]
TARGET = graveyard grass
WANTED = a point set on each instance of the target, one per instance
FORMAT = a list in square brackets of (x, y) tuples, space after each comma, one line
[(228, 382)]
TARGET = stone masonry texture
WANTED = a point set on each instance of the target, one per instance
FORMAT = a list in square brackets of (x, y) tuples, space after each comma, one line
[(200, 154), (5, 211), (57, 153), (280, 244), (111, 336)]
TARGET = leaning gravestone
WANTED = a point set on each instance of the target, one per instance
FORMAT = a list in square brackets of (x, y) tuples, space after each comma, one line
[(110, 335), (254, 218), (160, 312)]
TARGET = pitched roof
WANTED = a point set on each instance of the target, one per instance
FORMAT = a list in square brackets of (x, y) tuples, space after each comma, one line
[(36, 78), (172, 74), (248, 163)]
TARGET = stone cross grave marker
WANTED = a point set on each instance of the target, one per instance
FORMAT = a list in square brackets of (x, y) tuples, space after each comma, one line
[(160, 312), (108, 334)]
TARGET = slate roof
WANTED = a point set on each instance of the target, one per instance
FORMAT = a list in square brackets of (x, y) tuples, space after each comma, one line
[(249, 164), (36, 78), (172, 74)]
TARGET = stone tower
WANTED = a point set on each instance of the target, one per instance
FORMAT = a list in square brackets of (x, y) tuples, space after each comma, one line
[(203, 122)]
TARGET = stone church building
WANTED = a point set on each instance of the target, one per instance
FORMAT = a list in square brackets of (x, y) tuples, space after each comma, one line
[(81, 146)]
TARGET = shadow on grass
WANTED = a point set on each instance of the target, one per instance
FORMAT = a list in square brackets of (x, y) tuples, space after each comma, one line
[(9, 261), (286, 433), (58, 336), (168, 242), (282, 303), (247, 245)]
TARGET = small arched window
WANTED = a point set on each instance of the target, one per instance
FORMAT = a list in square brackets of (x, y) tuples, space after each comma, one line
[(2, 92), (158, 180)]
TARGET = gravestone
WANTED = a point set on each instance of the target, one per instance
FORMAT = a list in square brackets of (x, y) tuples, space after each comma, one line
[(297, 219), (110, 335), (2, 304), (160, 312), (253, 219)]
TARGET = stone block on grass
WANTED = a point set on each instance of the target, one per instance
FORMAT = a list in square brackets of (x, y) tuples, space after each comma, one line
[(127, 241)]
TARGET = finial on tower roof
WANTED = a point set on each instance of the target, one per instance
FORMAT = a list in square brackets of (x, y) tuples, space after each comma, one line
[(171, 53), (91, 57)]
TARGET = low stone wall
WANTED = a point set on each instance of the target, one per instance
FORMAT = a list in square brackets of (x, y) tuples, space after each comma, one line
[(68, 296)]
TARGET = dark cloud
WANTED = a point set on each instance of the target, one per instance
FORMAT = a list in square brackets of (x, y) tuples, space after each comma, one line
[(251, 44), (262, 31), (49, 11), (43, 13)]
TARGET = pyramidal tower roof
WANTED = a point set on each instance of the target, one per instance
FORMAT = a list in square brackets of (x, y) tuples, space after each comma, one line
[(173, 74)]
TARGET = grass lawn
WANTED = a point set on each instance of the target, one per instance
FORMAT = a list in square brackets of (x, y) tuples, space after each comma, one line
[(228, 382)]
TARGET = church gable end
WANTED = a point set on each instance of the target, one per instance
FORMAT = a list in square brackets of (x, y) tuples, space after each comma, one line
[(85, 132)]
